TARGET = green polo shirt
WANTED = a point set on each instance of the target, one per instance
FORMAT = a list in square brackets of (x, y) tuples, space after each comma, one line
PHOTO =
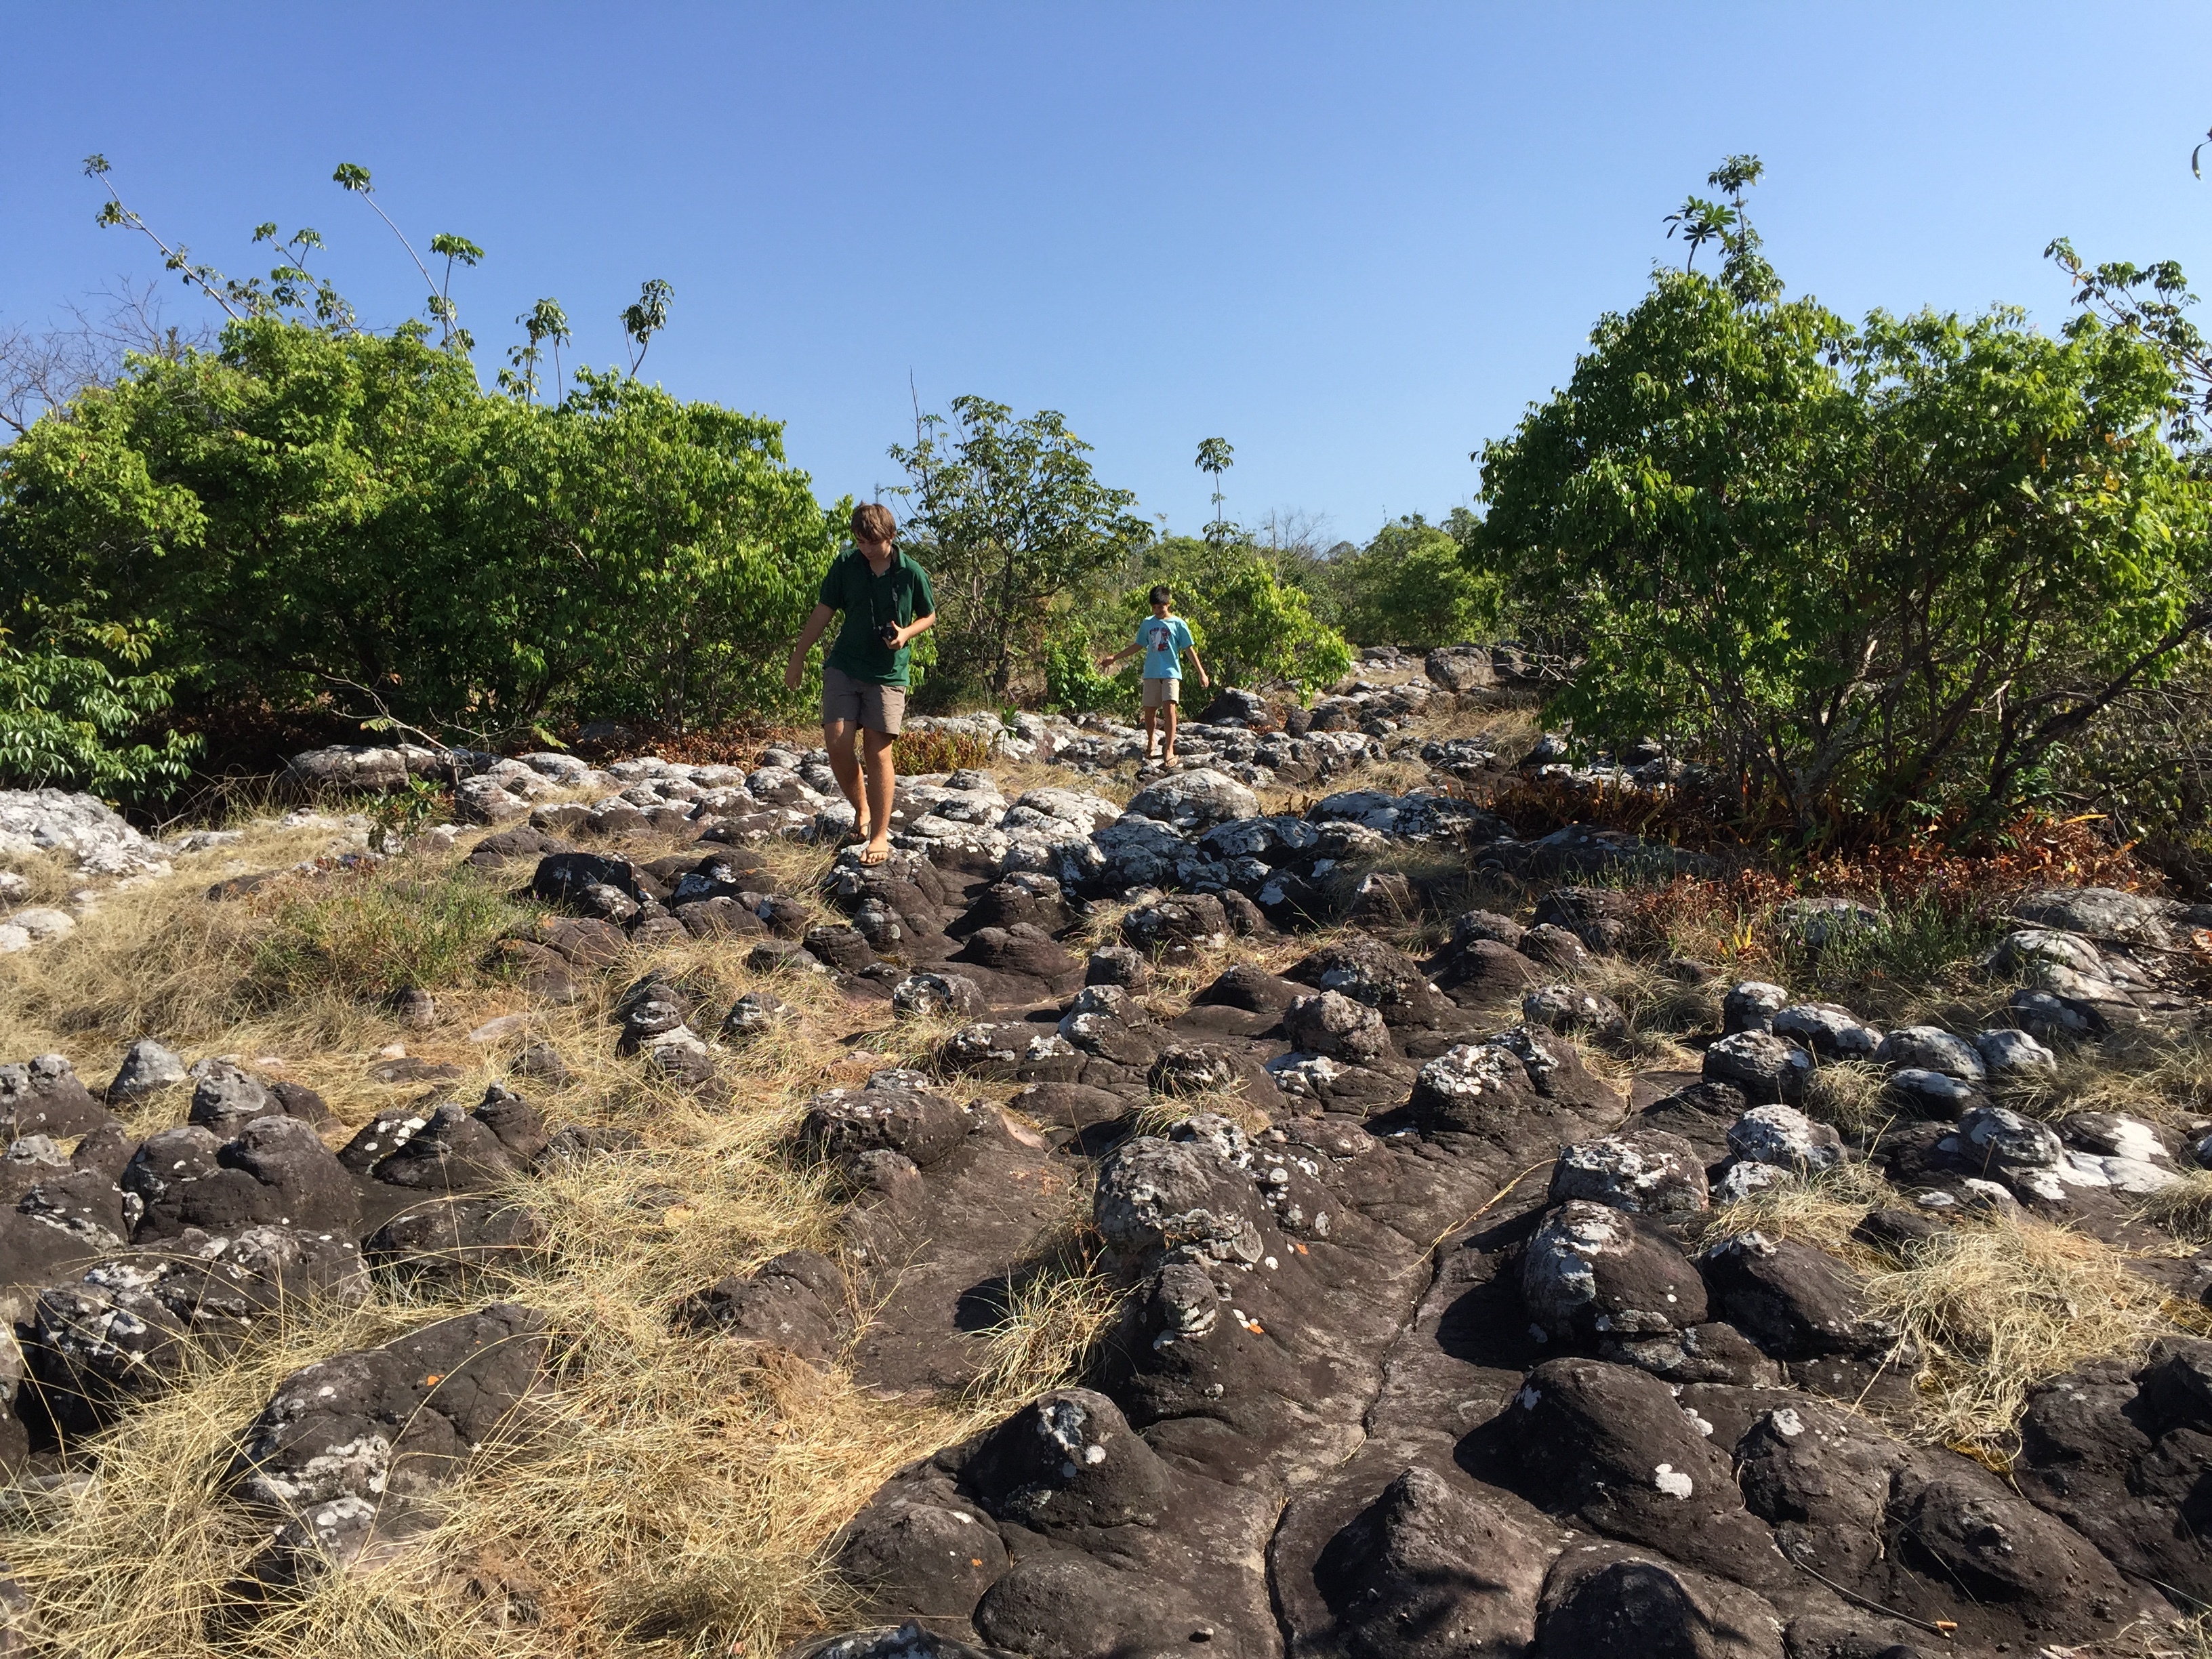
[(899, 595)]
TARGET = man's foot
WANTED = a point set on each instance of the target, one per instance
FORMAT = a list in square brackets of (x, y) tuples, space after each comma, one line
[(874, 853), (1167, 757), (858, 835)]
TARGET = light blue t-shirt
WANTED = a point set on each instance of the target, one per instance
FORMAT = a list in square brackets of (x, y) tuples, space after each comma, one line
[(1165, 639)]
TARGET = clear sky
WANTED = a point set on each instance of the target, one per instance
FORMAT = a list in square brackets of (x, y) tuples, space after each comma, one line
[(1354, 240)]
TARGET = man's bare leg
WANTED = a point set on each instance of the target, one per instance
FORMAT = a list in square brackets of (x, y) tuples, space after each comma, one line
[(1167, 755), (838, 737), (881, 781)]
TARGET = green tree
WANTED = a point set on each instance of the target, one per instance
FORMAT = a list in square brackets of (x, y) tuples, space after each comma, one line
[(69, 720), (455, 249), (1252, 628), (1010, 520), (1412, 584), (545, 324), (1214, 459), (306, 510), (648, 557), (645, 316), (1896, 569)]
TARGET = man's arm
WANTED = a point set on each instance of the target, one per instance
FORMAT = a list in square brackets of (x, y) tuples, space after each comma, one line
[(914, 629), (1191, 651), (816, 625)]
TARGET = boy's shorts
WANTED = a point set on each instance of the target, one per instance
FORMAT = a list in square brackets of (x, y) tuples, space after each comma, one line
[(862, 702), (1161, 692)]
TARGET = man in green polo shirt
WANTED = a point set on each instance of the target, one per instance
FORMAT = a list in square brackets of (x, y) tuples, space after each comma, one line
[(887, 603)]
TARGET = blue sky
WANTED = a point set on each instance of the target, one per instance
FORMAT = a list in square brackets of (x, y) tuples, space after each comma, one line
[(1354, 240)]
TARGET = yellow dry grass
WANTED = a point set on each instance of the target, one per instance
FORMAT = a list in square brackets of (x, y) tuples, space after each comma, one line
[(2165, 1075), (2184, 1209), (1997, 1307), (1848, 1093), (678, 1500), (1990, 1307)]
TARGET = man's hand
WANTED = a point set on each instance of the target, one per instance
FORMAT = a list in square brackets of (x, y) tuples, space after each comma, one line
[(794, 672)]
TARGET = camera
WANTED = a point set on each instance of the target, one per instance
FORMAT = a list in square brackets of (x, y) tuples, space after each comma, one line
[(888, 633)]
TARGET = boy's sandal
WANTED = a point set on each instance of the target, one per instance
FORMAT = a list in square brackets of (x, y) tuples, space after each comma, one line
[(870, 856)]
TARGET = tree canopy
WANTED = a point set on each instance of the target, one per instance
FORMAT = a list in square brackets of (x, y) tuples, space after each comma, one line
[(1895, 567)]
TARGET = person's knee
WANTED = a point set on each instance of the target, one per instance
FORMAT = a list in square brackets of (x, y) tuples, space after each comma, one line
[(877, 745)]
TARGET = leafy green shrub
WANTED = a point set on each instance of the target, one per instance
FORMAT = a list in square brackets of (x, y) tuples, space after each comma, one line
[(1009, 519), (1893, 568), (1412, 584), (365, 936), (313, 512), (69, 720), (1919, 940), (1072, 684)]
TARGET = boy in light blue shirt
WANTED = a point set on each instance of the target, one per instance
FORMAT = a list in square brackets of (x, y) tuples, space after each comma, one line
[(1164, 638)]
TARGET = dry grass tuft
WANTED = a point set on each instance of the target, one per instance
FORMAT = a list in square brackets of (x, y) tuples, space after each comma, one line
[(1819, 1210), (1059, 1307), (2163, 1076), (1848, 1093), (2184, 1209), (1996, 1307), (1991, 1308), (50, 879)]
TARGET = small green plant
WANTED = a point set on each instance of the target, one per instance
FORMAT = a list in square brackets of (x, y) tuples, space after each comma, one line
[(414, 806), (1072, 684), (365, 937), (1915, 944)]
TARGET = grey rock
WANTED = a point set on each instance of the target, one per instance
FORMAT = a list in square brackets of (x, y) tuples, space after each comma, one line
[(1768, 1069), (934, 995), (395, 1421), (2013, 1058), (1785, 1138), (1821, 921), (895, 1111), (1643, 1172), (1828, 1029), (1570, 1008), (1334, 1025), (1930, 1048), (148, 1068), (1930, 1094), (755, 1014), (2102, 913), (1194, 800), (1751, 1006)]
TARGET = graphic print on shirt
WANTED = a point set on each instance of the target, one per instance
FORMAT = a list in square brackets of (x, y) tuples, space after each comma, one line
[(1165, 639)]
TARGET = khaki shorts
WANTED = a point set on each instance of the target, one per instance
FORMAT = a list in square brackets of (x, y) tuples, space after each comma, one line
[(1158, 694), (862, 702)]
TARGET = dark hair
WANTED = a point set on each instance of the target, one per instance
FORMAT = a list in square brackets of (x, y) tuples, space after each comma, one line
[(872, 521), (1160, 595)]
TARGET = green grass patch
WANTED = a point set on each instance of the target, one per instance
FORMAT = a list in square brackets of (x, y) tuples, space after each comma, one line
[(1919, 945), (368, 936)]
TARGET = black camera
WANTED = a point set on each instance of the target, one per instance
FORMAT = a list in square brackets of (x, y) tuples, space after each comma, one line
[(889, 634)]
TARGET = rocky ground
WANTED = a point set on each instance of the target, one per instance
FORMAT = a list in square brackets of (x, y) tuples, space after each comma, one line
[(1268, 1207)]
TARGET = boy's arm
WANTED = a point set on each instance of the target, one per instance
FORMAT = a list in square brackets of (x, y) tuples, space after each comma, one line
[(816, 624), (1191, 651), (1109, 662), (916, 629)]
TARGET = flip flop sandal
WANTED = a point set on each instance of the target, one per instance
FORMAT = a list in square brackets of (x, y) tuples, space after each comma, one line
[(868, 858)]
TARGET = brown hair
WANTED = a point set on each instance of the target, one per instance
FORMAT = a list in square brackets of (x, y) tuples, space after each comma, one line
[(872, 521)]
